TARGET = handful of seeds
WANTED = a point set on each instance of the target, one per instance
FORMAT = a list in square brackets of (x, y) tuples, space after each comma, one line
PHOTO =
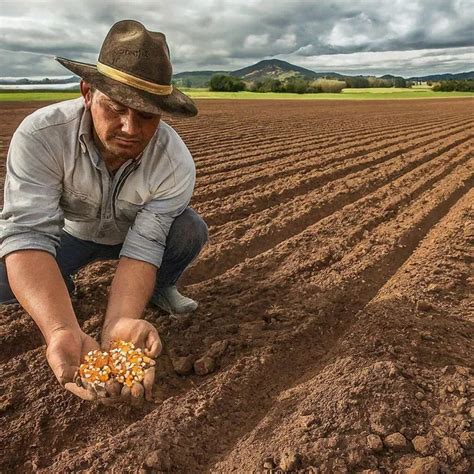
[(123, 362)]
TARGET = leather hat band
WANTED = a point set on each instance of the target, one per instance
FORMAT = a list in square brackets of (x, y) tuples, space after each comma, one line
[(134, 81)]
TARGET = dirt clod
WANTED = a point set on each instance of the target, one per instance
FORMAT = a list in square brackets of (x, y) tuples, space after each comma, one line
[(217, 349), (204, 366), (395, 441), (429, 465), (289, 461), (374, 443), (422, 445), (183, 365)]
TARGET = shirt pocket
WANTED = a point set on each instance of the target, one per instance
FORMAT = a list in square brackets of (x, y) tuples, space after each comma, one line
[(78, 206)]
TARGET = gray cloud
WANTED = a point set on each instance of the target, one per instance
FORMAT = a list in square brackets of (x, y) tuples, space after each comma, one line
[(229, 34)]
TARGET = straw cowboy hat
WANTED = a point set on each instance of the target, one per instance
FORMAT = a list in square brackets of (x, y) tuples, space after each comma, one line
[(134, 68)]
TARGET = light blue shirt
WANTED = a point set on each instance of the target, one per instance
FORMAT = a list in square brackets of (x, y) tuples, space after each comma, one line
[(57, 180)]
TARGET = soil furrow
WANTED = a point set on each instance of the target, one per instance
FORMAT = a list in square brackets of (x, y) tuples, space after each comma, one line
[(304, 135), (244, 203), (311, 163), (308, 392), (292, 157), (328, 241), (246, 239), (222, 164)]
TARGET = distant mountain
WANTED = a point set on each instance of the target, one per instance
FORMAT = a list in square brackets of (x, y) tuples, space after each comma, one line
[(460, 76), (273, 68), (390, 77), (277, 69)]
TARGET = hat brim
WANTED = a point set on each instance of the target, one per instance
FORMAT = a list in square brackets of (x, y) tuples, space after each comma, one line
[(176, 103)]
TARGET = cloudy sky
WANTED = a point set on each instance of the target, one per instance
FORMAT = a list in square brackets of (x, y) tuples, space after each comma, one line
[(406, 37)]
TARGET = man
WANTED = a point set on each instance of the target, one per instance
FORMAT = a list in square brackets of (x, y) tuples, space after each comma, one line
[(101, 177)]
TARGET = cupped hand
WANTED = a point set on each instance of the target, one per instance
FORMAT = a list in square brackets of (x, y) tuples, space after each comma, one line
[(144, 336), (65, 352)]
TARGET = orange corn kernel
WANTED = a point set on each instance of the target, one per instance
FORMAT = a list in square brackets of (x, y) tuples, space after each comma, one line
[(123, 362)]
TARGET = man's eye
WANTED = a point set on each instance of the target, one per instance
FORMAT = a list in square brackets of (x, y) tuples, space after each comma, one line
[(120, 110), (146, 116)]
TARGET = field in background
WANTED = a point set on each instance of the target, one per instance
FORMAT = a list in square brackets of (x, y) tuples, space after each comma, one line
[(27, 96), (333, 328), (419, 92)]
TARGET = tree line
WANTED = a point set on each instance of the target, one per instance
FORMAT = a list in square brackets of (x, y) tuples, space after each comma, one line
[(299, 85), (466, 85)]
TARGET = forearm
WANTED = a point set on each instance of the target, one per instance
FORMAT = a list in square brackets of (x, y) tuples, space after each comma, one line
[(38, 285), (131, 289)]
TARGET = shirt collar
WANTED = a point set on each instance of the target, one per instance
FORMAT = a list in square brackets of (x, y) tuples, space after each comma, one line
[(85, 129)]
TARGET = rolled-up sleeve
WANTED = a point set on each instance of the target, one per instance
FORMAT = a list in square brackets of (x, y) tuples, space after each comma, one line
[(31, 217), (146, 238)]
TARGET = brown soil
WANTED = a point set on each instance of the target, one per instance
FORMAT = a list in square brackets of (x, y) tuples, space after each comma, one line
[(335, 305)]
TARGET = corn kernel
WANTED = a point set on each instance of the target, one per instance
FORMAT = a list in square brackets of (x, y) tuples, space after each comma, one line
[(123, 363)]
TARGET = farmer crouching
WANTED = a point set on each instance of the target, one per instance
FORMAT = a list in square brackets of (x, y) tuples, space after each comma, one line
[(102, 177)]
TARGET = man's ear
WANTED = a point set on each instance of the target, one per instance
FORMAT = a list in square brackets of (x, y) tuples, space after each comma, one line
[(86, 92)]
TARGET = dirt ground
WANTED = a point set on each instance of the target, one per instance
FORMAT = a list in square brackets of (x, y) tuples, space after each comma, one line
[(336, 309)]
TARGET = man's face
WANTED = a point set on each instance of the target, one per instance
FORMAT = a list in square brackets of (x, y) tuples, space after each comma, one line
[(119, 131)]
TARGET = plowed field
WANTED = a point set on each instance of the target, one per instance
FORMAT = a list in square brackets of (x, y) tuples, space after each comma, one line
[(335, 303)]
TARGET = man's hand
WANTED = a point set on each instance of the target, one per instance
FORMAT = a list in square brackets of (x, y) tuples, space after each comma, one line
[(145, 336), (65, 352)]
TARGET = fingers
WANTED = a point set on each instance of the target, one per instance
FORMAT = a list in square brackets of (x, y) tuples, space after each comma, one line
[(112, 393), (77, 379), (100, 391), (67, 373), (113, 388), (148, 381), (125, 394), (153, 345), (137, 392), (80, 392)]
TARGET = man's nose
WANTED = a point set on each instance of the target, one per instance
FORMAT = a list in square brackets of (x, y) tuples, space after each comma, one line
[(130, 123)]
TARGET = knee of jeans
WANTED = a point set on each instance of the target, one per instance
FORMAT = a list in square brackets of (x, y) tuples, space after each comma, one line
[(190, 230), (6, 294)]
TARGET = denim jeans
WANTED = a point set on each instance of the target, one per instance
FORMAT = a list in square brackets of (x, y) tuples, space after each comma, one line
[(187, 236)]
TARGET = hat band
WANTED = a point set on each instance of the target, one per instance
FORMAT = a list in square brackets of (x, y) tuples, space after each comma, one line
[(134, 81)]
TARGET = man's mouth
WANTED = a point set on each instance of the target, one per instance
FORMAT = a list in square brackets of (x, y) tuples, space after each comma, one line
[(127, 140)]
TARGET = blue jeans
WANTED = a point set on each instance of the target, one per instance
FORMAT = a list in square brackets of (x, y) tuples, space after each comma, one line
[(187, 236)]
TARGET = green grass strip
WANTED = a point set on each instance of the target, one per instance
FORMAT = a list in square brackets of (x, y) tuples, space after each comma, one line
[(346, 94)]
